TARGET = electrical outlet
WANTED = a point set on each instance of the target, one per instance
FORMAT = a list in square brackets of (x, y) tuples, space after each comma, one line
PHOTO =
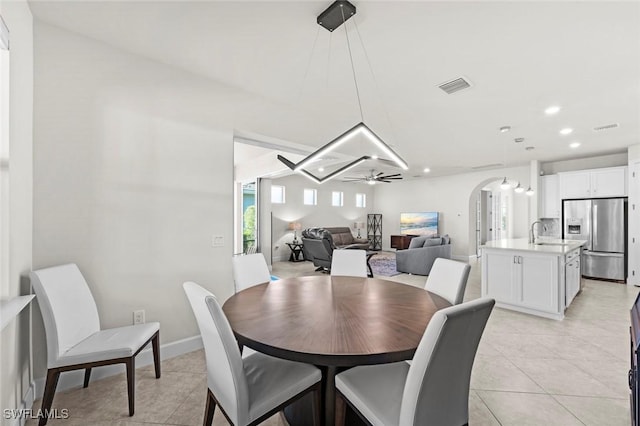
[(217, 241), (138, 317)]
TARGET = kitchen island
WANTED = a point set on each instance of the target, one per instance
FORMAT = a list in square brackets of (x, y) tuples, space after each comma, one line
[(539, 279)]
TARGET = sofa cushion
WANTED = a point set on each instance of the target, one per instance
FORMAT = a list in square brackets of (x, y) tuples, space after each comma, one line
[(430, 242), (417, 242)]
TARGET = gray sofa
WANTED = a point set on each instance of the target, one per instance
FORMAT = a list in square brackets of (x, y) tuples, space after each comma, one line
[(344, 239), (422, 252)]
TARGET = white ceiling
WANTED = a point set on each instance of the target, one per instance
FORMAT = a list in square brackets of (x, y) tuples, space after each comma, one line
[(520, 57)]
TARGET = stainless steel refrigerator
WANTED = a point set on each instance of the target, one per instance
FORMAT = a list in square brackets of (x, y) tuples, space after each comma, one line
[(602, 223)]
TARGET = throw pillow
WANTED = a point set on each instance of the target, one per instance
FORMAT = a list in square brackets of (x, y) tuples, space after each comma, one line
[(430, 242), (446, 239)]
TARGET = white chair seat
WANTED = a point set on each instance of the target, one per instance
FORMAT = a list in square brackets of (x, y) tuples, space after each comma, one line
[(113, 343), (273, 381), (362, 387)]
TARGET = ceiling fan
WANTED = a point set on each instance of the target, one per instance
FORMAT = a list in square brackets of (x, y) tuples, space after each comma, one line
[(372, 178)]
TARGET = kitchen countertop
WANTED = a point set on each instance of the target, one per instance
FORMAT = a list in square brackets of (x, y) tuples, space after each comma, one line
[(550, 246)]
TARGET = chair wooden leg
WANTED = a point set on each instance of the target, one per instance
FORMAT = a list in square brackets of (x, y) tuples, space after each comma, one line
[(210, 409), (317, 406), (155, 344), (87, 377), (341, 409), (131, 383), (49, 391)]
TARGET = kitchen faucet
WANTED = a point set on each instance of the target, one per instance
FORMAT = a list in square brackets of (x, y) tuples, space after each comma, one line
[(532, 236)]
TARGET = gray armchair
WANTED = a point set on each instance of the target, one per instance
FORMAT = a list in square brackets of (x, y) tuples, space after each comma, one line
[(318, 247), (422, 252)]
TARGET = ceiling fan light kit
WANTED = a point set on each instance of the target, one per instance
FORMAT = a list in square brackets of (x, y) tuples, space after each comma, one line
[(334, 16)]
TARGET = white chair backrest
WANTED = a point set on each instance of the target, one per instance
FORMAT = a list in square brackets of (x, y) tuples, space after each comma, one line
[(68, 309), (225, 373), (437, 387), (347, 262), (250, 270), (448, 278)]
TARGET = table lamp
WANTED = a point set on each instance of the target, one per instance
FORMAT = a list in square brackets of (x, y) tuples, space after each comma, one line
[(295, 226), (358, 226)]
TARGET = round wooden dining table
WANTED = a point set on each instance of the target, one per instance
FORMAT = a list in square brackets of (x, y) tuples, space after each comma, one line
[(332, 322)]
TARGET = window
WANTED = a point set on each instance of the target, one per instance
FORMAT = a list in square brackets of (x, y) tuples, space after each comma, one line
[(336, 198), (361, 200), (277, 194), (310, 197)]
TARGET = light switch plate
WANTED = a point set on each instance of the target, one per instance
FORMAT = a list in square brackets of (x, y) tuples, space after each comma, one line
[(217, 241)]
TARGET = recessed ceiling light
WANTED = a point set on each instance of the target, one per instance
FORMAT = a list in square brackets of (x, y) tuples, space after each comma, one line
[(530, 148), (371, 182), (519, 140), (566, 131), (374, 157), (552, 110), (321, 169), (505, 129), (426, 170), (574, 145)]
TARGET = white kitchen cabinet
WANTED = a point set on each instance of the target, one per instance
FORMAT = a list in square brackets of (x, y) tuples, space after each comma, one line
[(550, 196), (538, 276), (610, 182), (596, 183), (573, 275), (501, 287), (527, 280)]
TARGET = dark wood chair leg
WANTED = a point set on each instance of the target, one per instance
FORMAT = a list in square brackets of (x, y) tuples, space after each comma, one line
[(317, 406), (131, 383), (87, 377), (341, 409), (209, 409), (155, 344), (49, 391)]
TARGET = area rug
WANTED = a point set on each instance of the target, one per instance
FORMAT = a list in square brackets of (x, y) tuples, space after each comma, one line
[(384, 264)]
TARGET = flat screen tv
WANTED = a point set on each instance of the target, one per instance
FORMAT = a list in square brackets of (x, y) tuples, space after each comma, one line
[(425, 223)]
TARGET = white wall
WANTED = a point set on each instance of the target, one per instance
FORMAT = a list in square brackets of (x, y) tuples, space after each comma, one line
[(453, 197), (321, 215), (15, 360), (610, 160), (133, 174)]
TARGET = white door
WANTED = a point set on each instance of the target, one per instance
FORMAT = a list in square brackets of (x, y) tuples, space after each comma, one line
[(539, 282), (575, 185), (609, 182), (499, 278)]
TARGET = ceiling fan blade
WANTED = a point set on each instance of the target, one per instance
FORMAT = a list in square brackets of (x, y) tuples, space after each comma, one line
[(390, 176), (381, 173), (393, 178)]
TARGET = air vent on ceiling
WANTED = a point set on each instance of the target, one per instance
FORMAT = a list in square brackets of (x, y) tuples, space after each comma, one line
[(456, 85), (487, 166), (606, 127)]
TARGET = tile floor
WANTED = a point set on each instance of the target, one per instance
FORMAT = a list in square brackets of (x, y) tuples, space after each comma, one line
[(528, 370)]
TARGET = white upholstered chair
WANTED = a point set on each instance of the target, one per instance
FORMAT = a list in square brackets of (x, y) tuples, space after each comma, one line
[(250, 270), (74, 338), (434, 389), (248, 390), (448, 278), (349, 262)]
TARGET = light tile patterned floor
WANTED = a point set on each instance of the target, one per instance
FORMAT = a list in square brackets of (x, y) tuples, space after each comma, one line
[(528, 371)]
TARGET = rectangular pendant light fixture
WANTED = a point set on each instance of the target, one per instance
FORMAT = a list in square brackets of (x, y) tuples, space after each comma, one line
[(359, 128)]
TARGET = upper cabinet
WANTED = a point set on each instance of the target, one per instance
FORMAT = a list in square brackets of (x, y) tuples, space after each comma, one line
[(550, 201), (596, 183)]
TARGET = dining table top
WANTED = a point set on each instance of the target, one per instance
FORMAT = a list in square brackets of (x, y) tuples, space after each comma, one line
[(333, 320)]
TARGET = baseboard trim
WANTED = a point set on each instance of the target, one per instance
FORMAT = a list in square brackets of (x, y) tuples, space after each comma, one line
[(25, 405), (74, 379)]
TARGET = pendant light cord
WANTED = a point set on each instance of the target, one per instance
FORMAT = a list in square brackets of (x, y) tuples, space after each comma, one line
[(353, 69), (306, 72)]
